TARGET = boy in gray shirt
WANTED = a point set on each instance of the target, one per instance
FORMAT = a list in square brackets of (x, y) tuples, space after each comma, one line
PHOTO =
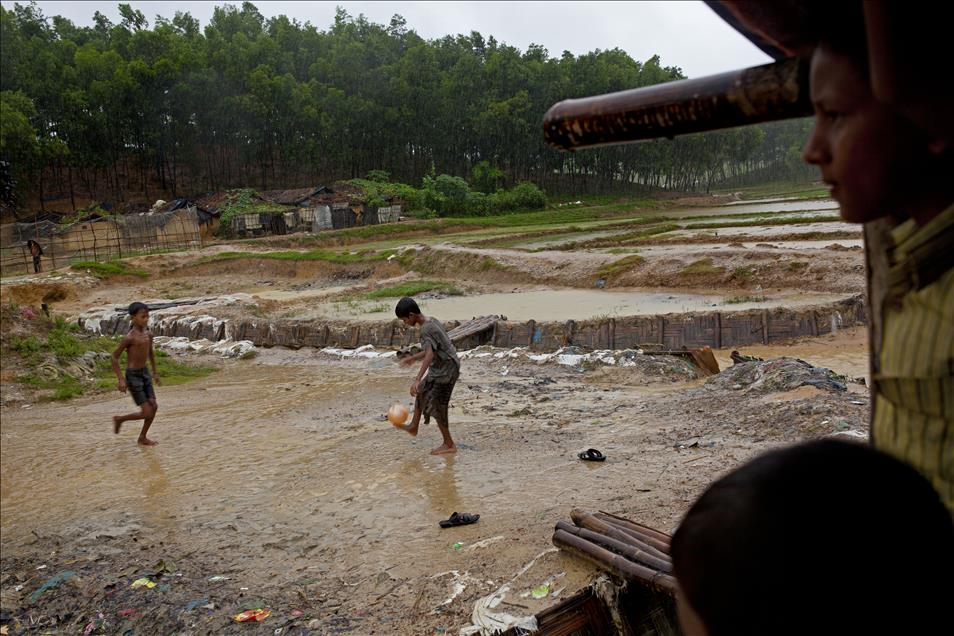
[(438, 374)]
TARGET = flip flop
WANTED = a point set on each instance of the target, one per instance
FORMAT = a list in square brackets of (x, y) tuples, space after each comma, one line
[(459, 519), (591, 455)]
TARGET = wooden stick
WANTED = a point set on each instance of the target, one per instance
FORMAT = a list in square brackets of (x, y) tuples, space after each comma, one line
[(624, 549), (614, 563), (588, 521)]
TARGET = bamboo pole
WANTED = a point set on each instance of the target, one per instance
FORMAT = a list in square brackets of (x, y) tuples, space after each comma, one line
[(619, 547), (614, 563), (588, 521), (762, 93), (659, 540), (658, 547)]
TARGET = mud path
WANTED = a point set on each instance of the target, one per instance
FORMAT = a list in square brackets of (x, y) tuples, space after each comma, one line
[(281, 474)]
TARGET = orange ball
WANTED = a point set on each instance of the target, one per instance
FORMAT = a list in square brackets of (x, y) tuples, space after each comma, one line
[(397, 414)]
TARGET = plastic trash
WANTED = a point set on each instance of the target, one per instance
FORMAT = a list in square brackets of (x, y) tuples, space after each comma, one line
[(252, 615)]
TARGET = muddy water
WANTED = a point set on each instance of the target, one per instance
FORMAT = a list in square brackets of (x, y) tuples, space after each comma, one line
[(846, 352), (286, 467), (282, 470), (707, 248), (578, 304), (569, 238), (770, 230)]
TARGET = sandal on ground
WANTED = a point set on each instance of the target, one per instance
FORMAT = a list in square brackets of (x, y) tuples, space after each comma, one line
[(459, 519), (591, 455)]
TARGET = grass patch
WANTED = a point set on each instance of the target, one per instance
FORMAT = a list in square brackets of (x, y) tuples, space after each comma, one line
[(109, 269), (738, 300), (362, 256), (623, 250), (701, 267), (743, 273), (489, 263), (797, 266), (778, 190), (170, 371), (66, 345), (412, 288), (619, 266)]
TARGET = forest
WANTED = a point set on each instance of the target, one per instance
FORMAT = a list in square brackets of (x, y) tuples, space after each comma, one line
[(166, 107)]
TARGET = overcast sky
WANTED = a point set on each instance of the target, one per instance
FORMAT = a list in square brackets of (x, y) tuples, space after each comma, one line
[(685, 34)]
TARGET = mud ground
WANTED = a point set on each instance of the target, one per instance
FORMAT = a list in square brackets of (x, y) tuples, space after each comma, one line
[(281, 474), (277, 483)]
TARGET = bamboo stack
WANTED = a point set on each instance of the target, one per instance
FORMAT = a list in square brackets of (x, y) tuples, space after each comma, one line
[(626, 549)]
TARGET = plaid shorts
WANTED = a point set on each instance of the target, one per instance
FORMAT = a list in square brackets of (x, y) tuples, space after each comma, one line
[(433, 398)]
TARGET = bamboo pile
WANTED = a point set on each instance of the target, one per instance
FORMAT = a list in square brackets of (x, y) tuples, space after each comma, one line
[(628, 550)]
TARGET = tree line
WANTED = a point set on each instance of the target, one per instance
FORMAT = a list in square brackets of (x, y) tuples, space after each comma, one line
[(133, 109)]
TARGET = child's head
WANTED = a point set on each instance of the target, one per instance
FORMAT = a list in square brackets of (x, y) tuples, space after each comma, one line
[(139, 313), (822, 538), (407, 310), (874, 160)]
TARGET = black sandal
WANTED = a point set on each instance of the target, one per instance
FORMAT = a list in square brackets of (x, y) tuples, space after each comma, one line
[(458, 519), (591, 455)]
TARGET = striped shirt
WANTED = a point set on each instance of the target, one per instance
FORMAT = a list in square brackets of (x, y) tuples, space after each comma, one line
[(914, 403)]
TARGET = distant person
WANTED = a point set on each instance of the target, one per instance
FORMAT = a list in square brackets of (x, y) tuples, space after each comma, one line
[(438, 374), (37, 253), (880, 164), (827, 537), (138, 347)]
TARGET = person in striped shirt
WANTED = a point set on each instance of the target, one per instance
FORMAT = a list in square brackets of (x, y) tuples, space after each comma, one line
[(880, 164)]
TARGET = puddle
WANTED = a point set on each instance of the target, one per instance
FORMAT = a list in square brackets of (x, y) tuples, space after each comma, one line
[(707, 248), (575, 304), (769, 230), (570, 238)]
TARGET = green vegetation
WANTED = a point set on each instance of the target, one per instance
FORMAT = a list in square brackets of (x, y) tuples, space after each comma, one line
[(110, 268), (170, 371), (362, 256), (778, 189), (743, 274), (62, 346), (244, 201), (293, 100), (413, 288), (737, 300), (701, 267), (636, 237), (488, 263), (619, 266)]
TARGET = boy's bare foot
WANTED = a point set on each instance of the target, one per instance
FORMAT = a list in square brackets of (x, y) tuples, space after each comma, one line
[(407, 428), (145, 441), (444, 449), (116, 424)]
